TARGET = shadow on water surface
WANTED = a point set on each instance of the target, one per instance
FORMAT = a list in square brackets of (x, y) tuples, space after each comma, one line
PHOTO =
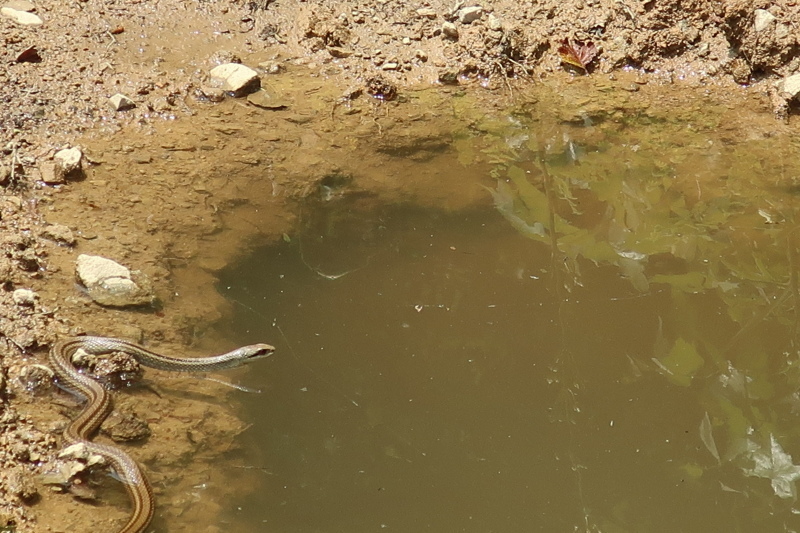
[(612, 348)]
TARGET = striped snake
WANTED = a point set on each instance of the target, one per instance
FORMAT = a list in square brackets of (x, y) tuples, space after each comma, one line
[(99, 404)]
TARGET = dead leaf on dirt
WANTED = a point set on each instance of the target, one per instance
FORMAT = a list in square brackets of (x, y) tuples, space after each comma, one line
[(578, 55), (29, 55)]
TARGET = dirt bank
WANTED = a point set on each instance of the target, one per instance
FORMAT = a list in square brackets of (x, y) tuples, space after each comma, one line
[(155, 186), (59, 74)]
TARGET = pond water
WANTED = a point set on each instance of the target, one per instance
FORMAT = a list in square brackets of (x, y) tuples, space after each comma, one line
[(608, 342)]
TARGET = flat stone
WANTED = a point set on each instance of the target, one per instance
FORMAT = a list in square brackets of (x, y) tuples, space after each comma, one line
[(235, 78), (59, 233), (426, 12), (763, 19), (120, 292), (93, 269), (58, 477), (74, 451), (338, 51), (20, 5), (111, 284), (120, 102), (212, 94), (115, 291), (21, 17), (468, 15), (791, 85), (265, 100)]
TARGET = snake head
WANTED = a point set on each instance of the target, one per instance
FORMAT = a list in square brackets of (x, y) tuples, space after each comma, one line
[(257, 351)]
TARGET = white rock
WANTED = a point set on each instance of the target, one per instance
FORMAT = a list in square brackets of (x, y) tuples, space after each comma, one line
[(20, 5), (468, 15), (120, 102), (21, 17), (75, 451), (112, 284), (66, 164), (494, 23), (74, 468), (790, 85), (24, 297), (450, 31), (93, 269), (763, 19), (69, 159), (235, 78), (95, 459)]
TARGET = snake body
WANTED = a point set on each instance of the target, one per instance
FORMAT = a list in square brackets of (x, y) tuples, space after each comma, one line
[(99, 404)]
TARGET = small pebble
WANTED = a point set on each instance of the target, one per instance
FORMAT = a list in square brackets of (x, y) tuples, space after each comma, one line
[(24, 297)]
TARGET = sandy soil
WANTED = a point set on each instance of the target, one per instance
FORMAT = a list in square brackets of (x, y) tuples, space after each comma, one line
[(150, 200)]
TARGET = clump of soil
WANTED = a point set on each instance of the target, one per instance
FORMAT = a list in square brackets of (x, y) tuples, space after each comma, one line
[(60, 75), (422, 42)]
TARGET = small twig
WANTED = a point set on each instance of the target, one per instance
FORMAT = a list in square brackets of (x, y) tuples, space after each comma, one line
[(236, 386), (13, 164), (505, 78), (380, 129), (113, 40), (520, 65), (15, 343)]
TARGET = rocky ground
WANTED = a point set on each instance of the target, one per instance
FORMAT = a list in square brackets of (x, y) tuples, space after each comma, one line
[(64, 61)]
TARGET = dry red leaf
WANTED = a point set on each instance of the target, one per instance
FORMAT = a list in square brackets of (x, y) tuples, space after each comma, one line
[(578, 54), (29, 55)]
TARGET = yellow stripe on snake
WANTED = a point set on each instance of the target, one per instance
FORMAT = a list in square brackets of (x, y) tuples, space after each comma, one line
[(99, 405)]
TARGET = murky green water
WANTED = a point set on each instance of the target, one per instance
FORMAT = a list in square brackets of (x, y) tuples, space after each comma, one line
[(609, 347)]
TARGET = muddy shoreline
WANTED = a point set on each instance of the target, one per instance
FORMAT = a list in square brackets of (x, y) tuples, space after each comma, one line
[(182, 184)]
